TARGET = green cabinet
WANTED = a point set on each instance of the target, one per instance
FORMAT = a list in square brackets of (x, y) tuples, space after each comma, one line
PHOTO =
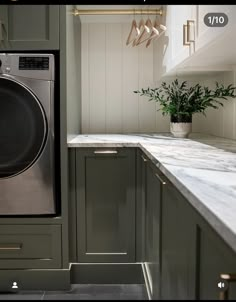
[(214, 257), (154, 185), (183, 256), (105, 193), (123, 209), (177, 246), (193, 255), (141, 162), (30, 246), (168, 238), (29, 27)]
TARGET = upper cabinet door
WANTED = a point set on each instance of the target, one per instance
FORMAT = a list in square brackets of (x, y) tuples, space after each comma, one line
[(181, 15), (29, 27), (176, 17), (206, 34)]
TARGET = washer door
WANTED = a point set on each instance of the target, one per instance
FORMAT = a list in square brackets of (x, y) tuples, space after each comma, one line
[(23, 128)]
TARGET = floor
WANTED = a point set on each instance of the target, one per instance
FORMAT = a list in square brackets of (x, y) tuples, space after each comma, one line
[(84, 292)]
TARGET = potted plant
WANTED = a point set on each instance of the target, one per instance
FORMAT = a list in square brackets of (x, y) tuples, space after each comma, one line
[(181, 102)]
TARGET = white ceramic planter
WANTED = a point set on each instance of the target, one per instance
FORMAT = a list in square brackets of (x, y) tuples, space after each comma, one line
[(180, 130)]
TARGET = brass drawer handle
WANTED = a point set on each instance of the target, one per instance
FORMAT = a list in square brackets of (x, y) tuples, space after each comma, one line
[(224, 293), (105, 152), (161, 180), (10, 246)]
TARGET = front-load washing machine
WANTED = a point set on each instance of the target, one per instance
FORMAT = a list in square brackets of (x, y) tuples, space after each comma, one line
[(27, 145)]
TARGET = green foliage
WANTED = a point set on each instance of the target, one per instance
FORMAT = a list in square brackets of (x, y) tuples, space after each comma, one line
[(177, 99)]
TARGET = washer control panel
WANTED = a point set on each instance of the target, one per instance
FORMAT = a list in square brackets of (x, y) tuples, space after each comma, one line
[(28, 65), (33, 63)]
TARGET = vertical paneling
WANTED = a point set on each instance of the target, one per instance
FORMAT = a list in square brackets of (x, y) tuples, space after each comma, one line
[(130, 83), (213, 115), (147, 110), (97, 77), (229, 114), (162, 122), (85, 79), (111, 71), (73, 72), (114, 72), (219, 122), (198, 123)]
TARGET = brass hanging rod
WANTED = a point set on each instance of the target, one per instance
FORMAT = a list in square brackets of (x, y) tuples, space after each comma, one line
[(77, 12)]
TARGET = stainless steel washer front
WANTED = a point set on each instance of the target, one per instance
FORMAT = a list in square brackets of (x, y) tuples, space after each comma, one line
[(27, 176)]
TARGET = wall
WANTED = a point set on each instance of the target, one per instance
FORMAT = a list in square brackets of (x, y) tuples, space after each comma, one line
[(220, 122), (111, 72), (73, 72)]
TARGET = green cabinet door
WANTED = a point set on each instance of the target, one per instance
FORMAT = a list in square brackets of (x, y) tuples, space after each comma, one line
[(30, 246), (193, 255), (29, 27), (140, 205), (178, 246), (152, 229), (105, 181), (215, 257)]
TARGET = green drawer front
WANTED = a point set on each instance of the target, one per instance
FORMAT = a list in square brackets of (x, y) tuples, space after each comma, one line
[(30, 246)]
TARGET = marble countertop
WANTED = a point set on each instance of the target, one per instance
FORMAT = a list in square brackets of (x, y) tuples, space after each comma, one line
[(202, 167)]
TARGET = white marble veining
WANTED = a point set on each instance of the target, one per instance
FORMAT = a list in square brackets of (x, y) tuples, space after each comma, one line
[(204, 174)]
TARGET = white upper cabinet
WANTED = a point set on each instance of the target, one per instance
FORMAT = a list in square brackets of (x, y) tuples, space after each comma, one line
[(176, 17), (215, 16), (191, 44)]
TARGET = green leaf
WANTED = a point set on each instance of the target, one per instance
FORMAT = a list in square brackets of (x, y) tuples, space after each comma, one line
[(178, 98)]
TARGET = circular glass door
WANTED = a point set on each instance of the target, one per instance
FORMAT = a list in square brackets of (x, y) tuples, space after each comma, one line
[(23, 128)]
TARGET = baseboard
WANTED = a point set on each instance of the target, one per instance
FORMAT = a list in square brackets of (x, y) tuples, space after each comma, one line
[(78, 273), (33, 279), (107, 273)]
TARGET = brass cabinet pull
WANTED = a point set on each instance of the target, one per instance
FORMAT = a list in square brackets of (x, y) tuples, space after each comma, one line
[(161, 180), (105, 152), (190, 31), (224, 293), (144, 159), (10, 246), (185, 41), (187, 28), (106, 253)]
